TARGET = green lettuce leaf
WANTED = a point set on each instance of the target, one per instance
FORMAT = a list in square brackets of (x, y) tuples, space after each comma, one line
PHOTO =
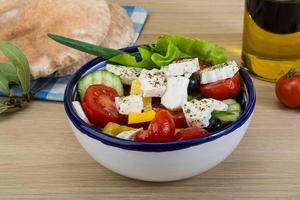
[(170, 47), (191, 47), (165, 58), (131, 60)]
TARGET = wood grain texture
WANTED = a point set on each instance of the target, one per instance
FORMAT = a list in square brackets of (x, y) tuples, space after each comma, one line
[(40, 158)]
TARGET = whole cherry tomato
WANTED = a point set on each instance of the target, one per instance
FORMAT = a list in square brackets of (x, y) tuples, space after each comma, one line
[(190, 133), (288, 88), (177, 115), (161, 129), (99, 105), (224, 89)]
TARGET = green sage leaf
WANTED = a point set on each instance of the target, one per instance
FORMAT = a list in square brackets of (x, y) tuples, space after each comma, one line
[(3, 107), (9, 72), (19, 60), (4, 87)]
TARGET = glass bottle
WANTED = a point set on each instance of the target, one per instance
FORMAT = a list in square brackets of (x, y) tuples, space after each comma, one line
[(271, 38)]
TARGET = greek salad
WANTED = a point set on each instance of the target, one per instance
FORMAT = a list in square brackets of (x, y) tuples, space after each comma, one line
[(181, 101), (177, 89)]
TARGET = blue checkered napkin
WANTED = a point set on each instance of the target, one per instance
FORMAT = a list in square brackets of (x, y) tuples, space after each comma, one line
[(54, 91)]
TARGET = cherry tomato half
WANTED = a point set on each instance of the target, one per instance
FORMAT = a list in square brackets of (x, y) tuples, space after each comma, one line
[(99, 105), (224, 89), (190, 133), (288, 89), (161, 129)]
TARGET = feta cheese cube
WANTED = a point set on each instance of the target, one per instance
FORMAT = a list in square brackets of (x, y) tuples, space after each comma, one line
[(128, 135), (153, 82), (198, 113), (182, 67), (176, 92), (127, 104), (219, 105), (218, 72), (127, 74)]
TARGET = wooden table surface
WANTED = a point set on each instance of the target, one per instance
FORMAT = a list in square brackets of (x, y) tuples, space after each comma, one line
[(41, 159)]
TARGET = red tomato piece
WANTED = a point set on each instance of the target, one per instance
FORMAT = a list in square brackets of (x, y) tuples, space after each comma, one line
[(99, 105), (190, 133), (178, 117), (288, 89), (224, 89), (161, 129), (143, 136)]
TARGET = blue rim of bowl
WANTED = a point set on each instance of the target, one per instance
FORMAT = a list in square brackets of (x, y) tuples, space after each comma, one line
[(84, 128)]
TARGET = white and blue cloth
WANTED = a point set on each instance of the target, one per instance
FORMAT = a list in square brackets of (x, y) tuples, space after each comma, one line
[(54, 90)]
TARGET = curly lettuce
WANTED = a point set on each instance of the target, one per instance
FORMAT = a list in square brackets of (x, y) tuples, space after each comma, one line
[(170, 47)]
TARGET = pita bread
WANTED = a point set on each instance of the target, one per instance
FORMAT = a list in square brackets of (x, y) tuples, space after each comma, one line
[(121, 31), (27, 23), (120, 34)]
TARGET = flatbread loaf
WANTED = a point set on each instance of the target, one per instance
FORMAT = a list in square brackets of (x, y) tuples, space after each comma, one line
[(26, 24), (121, 31), (120, 34)]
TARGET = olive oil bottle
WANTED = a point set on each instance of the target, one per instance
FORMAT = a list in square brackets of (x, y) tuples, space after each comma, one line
[(271, 39)]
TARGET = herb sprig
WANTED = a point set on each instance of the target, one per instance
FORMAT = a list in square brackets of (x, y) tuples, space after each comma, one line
[(14, 71)]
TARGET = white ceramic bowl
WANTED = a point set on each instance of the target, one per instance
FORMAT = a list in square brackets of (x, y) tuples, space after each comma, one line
[(157, 161)]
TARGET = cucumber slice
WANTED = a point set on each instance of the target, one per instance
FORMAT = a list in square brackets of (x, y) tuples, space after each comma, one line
[(232, 114), (100, 77)]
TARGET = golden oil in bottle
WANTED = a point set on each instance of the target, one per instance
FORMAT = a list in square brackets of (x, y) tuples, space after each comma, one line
[(271, 39)]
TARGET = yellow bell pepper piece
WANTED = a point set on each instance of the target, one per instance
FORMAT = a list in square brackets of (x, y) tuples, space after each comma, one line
[(136, 87), (137, 90), (134, 118), (110, 126), (147, 102), (114, 129)]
